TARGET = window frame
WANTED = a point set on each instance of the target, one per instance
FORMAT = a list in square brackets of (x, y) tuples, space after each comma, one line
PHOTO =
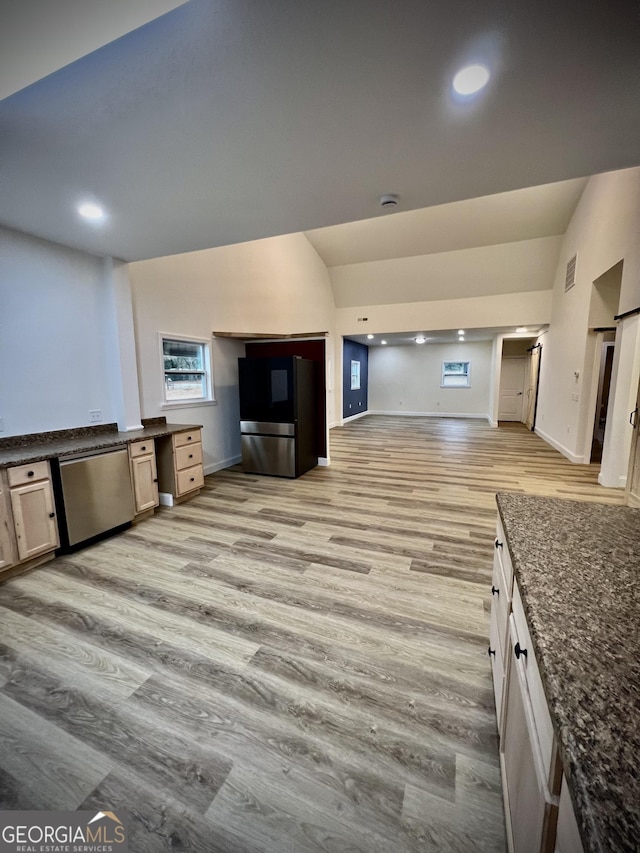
[(205, 348), (445, 373), (355, 375)]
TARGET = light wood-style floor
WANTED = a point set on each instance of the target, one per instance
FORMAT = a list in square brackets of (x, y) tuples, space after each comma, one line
[(282, 665)]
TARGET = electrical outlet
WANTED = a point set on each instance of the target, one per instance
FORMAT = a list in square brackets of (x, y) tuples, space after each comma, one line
[(95, 416)]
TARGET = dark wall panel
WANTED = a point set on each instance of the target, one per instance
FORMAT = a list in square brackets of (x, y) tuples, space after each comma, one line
[(354, 402), (313, 350)]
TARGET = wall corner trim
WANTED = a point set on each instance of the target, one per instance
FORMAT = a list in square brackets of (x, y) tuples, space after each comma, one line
[(572, 457), (615, 483), (212, 467), (324, 461), (353, 417)]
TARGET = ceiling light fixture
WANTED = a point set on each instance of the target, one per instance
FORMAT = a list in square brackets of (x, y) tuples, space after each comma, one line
[(389, 200), (383, 342), (91, 211), (471, 79), (521, 330), (421, 339), (461, 331), (369, 337)]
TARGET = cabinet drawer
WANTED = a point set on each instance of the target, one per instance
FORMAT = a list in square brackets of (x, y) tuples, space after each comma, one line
[(141, 448), (189, 479), (502, 553), (182, 438), (22, 474), (188, 455), (500, 603), (528, 666), (496, 655)]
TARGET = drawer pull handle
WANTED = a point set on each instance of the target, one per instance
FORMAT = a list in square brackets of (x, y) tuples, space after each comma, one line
[(491, 651), (498, 543), (191, 456), (188, 438), (519, 651), (155, 479), (143, 448), (30, 473), (193, 479), (495, 590), (52, 515)]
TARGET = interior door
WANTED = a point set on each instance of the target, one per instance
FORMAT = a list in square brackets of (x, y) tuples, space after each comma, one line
[(511, 389), (633, 474)]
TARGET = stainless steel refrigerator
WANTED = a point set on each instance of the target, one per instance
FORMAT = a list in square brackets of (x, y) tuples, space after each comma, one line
[(278, 415)]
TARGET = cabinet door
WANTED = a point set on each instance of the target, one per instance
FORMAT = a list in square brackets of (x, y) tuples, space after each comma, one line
[(7, 534), (532, 814), (34, 519), (145, 482), (568, 836)]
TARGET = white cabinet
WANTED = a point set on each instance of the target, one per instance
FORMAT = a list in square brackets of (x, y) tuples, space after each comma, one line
[(144, 475), (531, 808), (530, 764), (568, 835), (501, 587), (33, 509)]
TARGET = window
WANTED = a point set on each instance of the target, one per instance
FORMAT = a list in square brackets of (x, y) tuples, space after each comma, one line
[(355, 375), (186, 364), (456, 374)]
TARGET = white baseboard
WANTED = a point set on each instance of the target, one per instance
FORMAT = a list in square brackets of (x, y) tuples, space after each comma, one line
[(355, 417), (212, 467), (475, 415), (613, 482), (335, 424), (492, 423), (165, 498), (324, 461), (572, 457)]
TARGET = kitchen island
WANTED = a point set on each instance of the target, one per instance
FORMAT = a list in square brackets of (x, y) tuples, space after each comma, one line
[(577, 573)]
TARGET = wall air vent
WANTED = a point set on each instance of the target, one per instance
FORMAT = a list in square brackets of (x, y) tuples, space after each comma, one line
[(570, 278)]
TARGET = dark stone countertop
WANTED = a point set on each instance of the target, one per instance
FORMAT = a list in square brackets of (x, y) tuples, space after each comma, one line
[(578, 570), (34, 447)]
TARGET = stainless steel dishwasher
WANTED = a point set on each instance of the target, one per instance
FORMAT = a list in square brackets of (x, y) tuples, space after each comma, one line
[(93, 494)]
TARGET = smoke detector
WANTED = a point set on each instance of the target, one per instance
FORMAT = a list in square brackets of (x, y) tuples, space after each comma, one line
[(388, 200)]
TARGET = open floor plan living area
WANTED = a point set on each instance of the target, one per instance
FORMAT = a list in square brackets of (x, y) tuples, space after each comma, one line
[(283, 665), (319, 426)]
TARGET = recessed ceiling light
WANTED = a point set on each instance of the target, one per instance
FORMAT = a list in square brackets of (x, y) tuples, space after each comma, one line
[(521, 329), (421, 339), (369, 337), (91, 211), (471, 79), (383, 342), (461, 331)]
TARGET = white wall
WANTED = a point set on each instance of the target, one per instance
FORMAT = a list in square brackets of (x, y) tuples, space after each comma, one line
[(54, 336), (406, 379), (522, 266), (603, 231), (275, 286)]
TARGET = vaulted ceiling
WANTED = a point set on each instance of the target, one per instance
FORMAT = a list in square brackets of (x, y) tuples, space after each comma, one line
[(230, 120)]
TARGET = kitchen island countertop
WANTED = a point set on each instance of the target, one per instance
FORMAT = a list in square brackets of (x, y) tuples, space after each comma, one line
[(577, 565)]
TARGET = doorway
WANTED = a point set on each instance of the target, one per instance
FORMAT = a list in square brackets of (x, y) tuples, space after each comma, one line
[(602, 401), (533, 385)]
